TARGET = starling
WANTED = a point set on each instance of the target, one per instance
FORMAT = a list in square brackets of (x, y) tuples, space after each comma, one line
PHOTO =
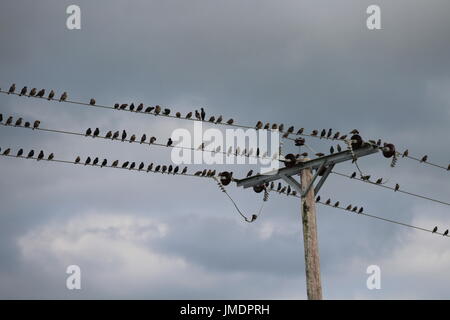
[(365, 178), (405, 153), (353, 175), (448, 168), (132, 138), (328, 202), (88, 161), (133, 164), (338, 147), (336, 135), (27, 124), (140, 107), (115, 135), (63, 97), (12, 88), (94, 163), (157, 168), (51, 95), (318, 199), (219, 119), (152, 140), (189, 115), (329, 133), (360, 210), (300, 131), (379, 181), (18, 122), (397, 186), (143, 138), (204, 172), (267, 126), (20, 153), (250, 173), (150, 167), (109, 135), (323, 133), (125, 164), (314, 133), (131, 106), (141, 166), (116, 106), (92, 101), (184, 170), (166, 112), (283, 190), (435, 229), (197, 173), (30, 154), (41, 93), (446, 232), (349, 207), (149, 109), (124, 135), (32, 92), (212, 119), (77, 160), (23, 91), (50, 157), (230, 122), (169, 142), (157, 109), (178, 115), (424, 158), (123, 106), (9, 121), (104, 163), (36, 124), (202, 114), (169, 170), (320, 154), (163, 169), (40, 155), (281, 127), (254, 217), (354, 131), (115, 163), (88, 132), (336, 204), (274, 126), (197, 115), (331, 150), (6, 152), (175, 170), (290, 129), (355, 209)]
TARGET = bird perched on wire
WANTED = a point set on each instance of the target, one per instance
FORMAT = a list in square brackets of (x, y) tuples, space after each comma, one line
[(379, 181), (96, 160), (149, 109), (27, 124), (108, 135), (202, 114), (353, 175), (176, 169), (36, 124), (19, 153), (50, 156), (166, 112), (9, 121), (88, 132), (140, 107), (88, 161), (250, 173), (169, 169), (116, 106), (197, 115), (77, 160), (328, 202), (361, 210), (366, 178), (219, 119), (115, 135), (188, 115), (163, 169), (331, 149), (30, 154), (63, 97), (141, 166), (6, 152), (281, 127), (115, 163), (32, 92), (405, 153), (104, 163), (323, 133), (184, 170), (445, 232), (397, 186), (152, 140), (132, 138), (18, 122), (354, 131), (318, 199), (300, 131), (143, 138), (23, 91), (123, 106), (150, 167), (314, 133), (336, 204), (157, 168), (157, 109), (41, 93), (320, 154), (178, 115), (125, 164), (424, 158), (230, 122), (92, 101), (124, 135), (51, 95), (131, 107), (169, 142), (212, 119), (12, 88), (133, 164), (349, 207), (435, 229)]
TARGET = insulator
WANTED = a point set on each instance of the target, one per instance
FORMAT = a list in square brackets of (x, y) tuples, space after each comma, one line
[(388, 150), (258, 189), (225, 178)]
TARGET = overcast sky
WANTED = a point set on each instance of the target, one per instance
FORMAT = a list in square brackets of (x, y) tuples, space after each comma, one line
[(311, 64)]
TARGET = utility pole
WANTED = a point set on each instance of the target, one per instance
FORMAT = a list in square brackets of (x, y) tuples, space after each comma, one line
[(312, 260)]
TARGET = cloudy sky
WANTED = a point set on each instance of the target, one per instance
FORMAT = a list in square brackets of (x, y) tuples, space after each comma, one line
[(311, 64)]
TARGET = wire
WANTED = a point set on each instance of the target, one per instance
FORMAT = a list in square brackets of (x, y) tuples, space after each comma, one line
[(391, 188)]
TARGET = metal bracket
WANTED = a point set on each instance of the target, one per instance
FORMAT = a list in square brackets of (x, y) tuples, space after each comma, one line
[(324, 177), (292, 182), (313, 179)]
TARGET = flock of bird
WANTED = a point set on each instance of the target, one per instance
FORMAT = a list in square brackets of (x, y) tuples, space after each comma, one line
[(30, 154)]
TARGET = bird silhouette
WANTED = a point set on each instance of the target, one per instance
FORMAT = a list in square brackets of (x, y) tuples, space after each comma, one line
[(166, 112), (94, 163), (300, 131), (104, 163), (424, 158), (320, 154), (36, 124), (27, 124), (189, 115), (115, 163), (88, 132), (379, 181), (12, 88), (157, 168), (30, 154), (197, 115), (184, 170), (152, 140), (88, 161), (336, 135), (328, 202), (219, 119), (92, 101), (169, 142), (51, 95), (354, 131), (141, 166), (336, 204), (274, 126), (108, 135), (445, 232), (77, 160), (115, 135), (202, 114), (32, 92), (349, 207), (366, 178), (249, 174), (20, 153), (169, 169), (50, 156), (397, 186), (353, 175), (116, 106), (178, 115), (318, 199), (6, 152), (23, 91), (125, 164), (360, 210), (1, 117), (63, 97), (157, 109), (197, 173), (150, 167), (123, 106), (133, 164), (435, 229), (41, 93), (132, 138), (163, 168), (267, 126), (149, 109), (140, 107), (143, 138), (290, 129), (323, 133), (230, 122), (338, 147), (405, 153), (9, 121), (18, 122), (314, 133), (131, 107), (124, 135), (331, 149), (212, 119), (281, 127)]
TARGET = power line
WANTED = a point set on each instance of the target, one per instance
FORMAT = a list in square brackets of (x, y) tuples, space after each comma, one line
[(391, 188)]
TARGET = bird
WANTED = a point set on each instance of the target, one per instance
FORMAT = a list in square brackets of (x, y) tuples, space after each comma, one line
[(267, 126), (354, 131), (132, 138), (320, 154), (219, 119), (50, 156), (9, 121), (353, 175), (274, 126), (115, 135), (32, 92), (125, 164), (279, 186), (365, 178), (336, 135), (152, 140), (448, 168), (281, 127), (88, 132), (143, 138), (176, 169), (178, 115), (141, 166), (355, 208), (338, 147), (124, 135), (30, 154), (360, 210), (41, 93), (77, 160), (169, 170), (184, 170), (108, 135), (349, 207), (115, 163), (336, 204), (290, 129), (197, 173), (250, 173), (258, 125), (20, 153), (51, 95), (212, 119), (283, 190), (323, 133), (166, 112), (27, 124), (202, 114), (163, 169), (36, 124), (140, 107), (63, 97), (169, 142), (131, 106), (189, 115), (104, 163), (328, 202), (1, 117), (424, 158), (18, 122), (157, 109), (318, 199), (435, 229), (92, 101), (40, 155), (343, 137), (12, 88), (88, 161), (331, 149), (445, 232), (150, 167), (132, 165), (300, 131), (6, 152), (94, 163), (397, 186), (23, 91), (157, 168), (197, 115), (123, 106), (230, 122), (314, 133), (149, 109), (379, 181), (116, 106), (405, 153)]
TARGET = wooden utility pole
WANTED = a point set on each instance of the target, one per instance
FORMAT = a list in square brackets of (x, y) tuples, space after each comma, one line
[(312, 261)]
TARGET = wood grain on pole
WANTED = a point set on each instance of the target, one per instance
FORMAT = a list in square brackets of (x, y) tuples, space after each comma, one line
[(312, 260)]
